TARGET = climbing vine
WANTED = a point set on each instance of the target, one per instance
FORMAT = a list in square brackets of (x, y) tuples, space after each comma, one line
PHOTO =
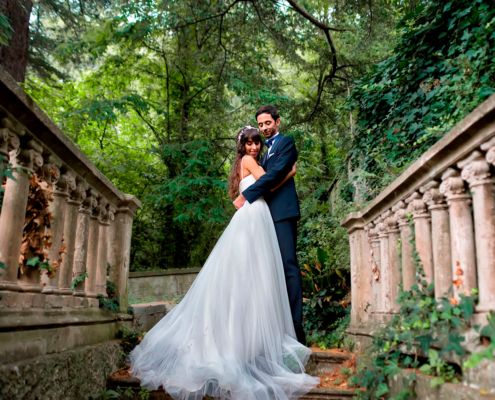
[(440, 70), (423, 335), (37, 236)]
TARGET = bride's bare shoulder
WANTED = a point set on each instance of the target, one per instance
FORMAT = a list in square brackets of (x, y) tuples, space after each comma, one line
[(248, 158)]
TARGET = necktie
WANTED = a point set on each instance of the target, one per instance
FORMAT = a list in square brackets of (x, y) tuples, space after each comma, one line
[(269, 142)]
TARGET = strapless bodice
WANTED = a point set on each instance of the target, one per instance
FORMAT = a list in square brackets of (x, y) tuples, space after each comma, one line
[(246, 182)]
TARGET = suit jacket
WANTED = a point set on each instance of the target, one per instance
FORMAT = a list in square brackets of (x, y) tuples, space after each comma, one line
[(283, 203)]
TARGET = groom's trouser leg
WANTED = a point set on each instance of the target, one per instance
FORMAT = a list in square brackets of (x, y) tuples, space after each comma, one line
[(287, 237)]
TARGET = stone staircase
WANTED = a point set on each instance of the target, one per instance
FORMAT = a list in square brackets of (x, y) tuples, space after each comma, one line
[(323, 363)]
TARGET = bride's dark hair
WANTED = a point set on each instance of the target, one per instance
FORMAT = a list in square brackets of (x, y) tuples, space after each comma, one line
[(243, 136)]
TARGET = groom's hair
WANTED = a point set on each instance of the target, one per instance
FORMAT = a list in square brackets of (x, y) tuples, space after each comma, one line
[(269, 109)]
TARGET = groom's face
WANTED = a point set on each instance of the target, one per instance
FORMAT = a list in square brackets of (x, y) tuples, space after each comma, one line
[(267, 125)]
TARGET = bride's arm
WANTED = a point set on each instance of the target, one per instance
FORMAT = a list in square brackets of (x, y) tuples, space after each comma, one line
[(253, 167), (291, 174)]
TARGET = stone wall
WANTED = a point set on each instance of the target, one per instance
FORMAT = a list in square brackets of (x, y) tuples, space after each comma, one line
[(74, 374), (166, 285)]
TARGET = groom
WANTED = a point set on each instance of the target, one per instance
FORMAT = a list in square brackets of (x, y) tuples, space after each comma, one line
[(283, 203)]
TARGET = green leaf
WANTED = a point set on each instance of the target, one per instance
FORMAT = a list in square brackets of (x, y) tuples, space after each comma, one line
[(382, 390), (33, 262)]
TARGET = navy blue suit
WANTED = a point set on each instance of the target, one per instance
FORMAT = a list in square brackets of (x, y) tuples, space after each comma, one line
[(284, 207)]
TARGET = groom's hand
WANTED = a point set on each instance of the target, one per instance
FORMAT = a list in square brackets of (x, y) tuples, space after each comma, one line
[(239, 201)]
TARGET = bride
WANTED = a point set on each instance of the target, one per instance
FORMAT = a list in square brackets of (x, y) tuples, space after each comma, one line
[(231, 337)]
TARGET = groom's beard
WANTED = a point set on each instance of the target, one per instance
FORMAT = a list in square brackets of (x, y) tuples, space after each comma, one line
[(269, 133)]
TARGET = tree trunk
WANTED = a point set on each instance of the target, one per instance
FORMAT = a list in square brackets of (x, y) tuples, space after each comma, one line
[(14, 56)]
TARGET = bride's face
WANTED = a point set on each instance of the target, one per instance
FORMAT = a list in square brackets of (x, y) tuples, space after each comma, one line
[(253, 148)]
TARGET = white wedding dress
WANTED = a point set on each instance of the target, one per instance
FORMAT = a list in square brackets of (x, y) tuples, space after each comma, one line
[(231, 336)]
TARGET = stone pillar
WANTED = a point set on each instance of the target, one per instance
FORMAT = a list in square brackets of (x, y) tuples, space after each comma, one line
[(476, 171), (120, 246), (11, 217), (353, 249), (461, 232), (51, 175), (384, 296), (364, 278), (93, 237), (393, 280), (440, 233), (107, 215), (374, 266), (77, 194), (407, 260), (81, 246), (422, 233), (24, 161), (360, 276)]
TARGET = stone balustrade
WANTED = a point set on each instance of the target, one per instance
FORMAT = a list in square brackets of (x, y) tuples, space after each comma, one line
[(442, 207), (90, 220)]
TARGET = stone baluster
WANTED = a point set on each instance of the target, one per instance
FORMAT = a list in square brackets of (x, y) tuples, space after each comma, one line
[(392, 292), (120, 246), (107, 214), (476, 171), (24, 161), (422, 233), (407, 264), (461, 232), (383, 304), (81, 248), (374, 265), (92, 256), (11, 216), (76, 194), (51, 175), (440, 233)]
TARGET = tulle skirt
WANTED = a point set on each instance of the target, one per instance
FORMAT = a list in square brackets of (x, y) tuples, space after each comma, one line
[(231, 336)]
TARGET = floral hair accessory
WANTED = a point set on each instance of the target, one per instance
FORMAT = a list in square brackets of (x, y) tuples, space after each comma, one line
[(243, 131)]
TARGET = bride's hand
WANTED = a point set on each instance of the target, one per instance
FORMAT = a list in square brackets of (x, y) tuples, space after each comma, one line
[(239, 201), (293, 170)]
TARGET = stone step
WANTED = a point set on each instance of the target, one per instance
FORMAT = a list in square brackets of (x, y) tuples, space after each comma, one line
[(325, 361), (321, 362)]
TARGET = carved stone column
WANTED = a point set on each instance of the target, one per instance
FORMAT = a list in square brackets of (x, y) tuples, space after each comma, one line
[(92, 257), (12, 213), (407, 262), (77, 194), (476, 171), (81, 247), (24, 162), (440, 234), (120, 246), (461, 231), (422, 233), (107, 214), (393, 280)]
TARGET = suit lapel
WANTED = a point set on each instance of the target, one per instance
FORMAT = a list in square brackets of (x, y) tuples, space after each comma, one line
[(271, 151)]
